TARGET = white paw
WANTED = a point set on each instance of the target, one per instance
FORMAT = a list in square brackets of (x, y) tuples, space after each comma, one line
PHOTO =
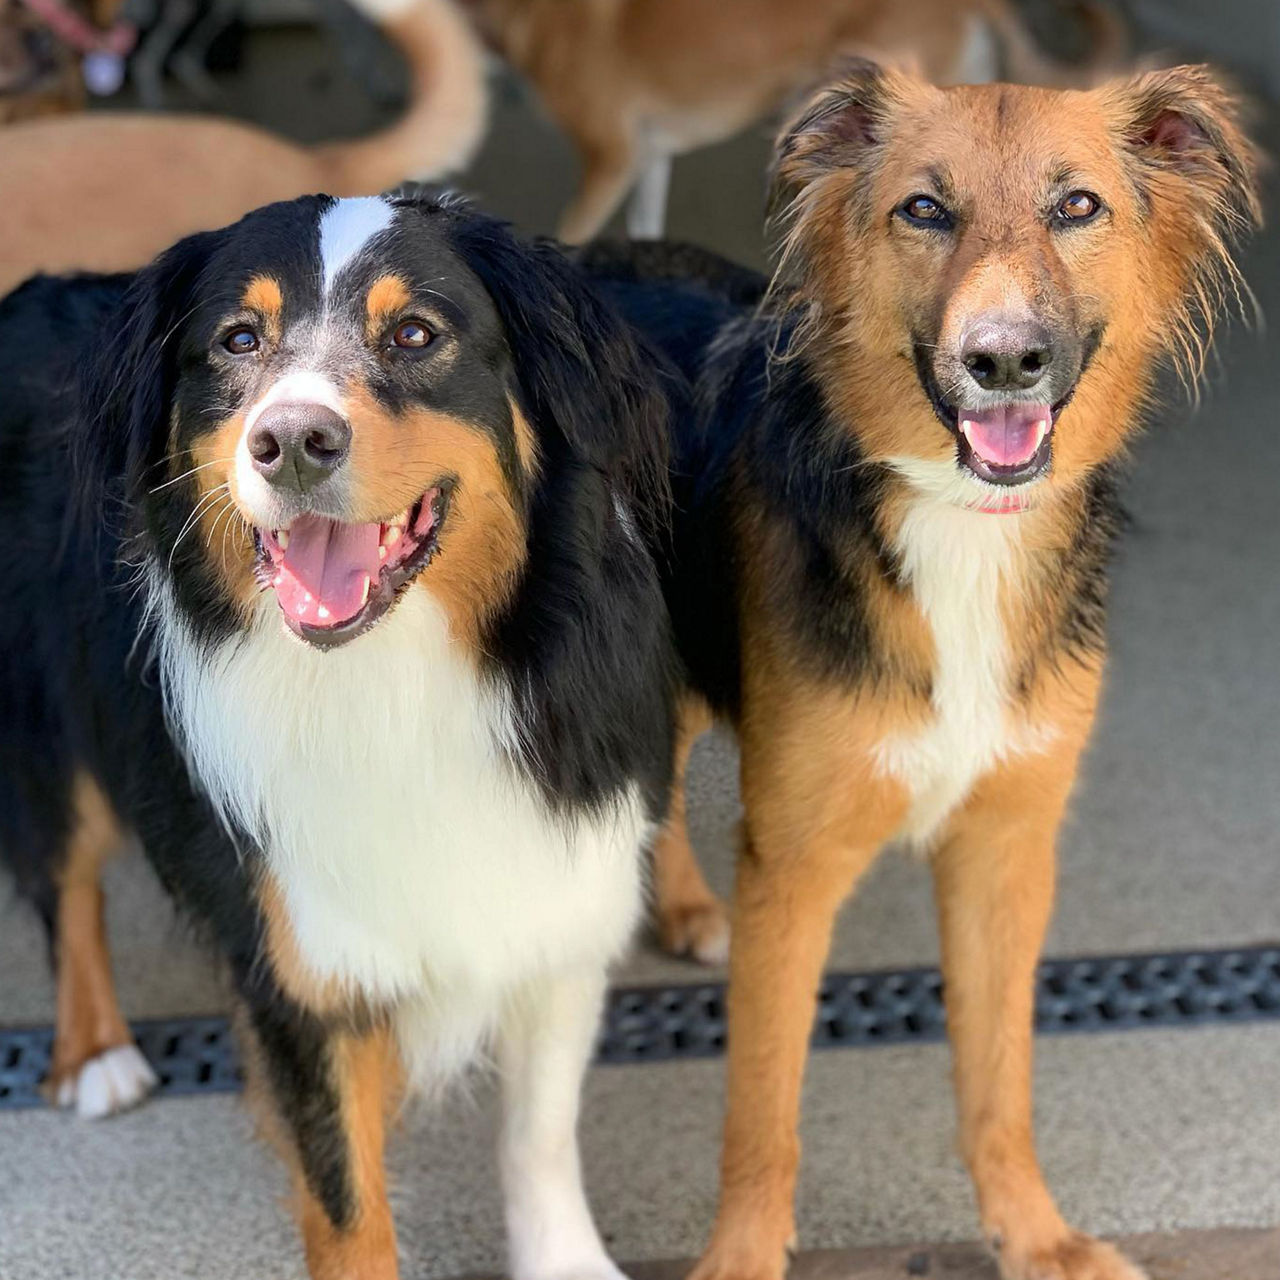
[(113, 1081), (712, 947)]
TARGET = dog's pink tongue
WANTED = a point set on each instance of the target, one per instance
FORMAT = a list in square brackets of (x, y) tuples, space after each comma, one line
[(324, 577), (1007, 436)]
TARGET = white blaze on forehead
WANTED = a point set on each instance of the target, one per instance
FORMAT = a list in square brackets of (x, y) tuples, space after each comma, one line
[(346, 228)]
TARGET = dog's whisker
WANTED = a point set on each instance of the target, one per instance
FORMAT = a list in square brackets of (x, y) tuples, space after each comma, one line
[(176, 479)]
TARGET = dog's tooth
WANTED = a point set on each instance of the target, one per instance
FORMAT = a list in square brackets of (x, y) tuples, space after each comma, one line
[(364, 591), (282, 537), (392, 536), (382, 553)]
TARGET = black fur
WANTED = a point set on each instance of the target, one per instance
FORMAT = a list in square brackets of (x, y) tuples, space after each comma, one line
[(102, 376)]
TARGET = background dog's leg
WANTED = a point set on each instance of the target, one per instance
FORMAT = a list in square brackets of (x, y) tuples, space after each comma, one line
[(816, 815), (544, 1047), (608, 169), (994, 879), (647, 208), (324, 1099), (96, 1067), (691, 920)]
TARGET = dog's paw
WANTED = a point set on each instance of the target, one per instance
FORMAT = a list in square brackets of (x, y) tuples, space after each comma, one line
[(1077, 1257), (114, 1081), (600, 1268), (740, 1261), (700, 931)]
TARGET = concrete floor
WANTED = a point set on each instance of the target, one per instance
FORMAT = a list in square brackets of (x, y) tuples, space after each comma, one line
[(1173, 843)]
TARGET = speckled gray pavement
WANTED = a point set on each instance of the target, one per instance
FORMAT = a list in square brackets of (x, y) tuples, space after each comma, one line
[(1174, 842)]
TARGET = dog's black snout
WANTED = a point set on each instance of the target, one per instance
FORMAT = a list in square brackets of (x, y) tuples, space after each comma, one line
[(1007, 355), (297, 446)]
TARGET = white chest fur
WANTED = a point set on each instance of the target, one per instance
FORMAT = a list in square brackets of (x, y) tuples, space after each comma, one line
[(416, 862), (960, 566)]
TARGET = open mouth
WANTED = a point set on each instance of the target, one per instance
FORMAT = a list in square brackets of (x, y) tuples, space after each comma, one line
[(333, 580), (1010, 444), (1007, 445)]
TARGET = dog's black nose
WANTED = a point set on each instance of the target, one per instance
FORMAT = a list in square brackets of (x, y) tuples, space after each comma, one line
[(1007, 355), (296, 446)]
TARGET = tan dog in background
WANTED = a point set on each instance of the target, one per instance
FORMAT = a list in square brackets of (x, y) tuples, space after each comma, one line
[(635, 82), (108, 191)]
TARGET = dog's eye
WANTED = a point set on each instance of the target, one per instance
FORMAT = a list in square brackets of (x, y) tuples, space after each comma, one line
[(241, 341), (411, 334), (1079, 206), (925, 210)]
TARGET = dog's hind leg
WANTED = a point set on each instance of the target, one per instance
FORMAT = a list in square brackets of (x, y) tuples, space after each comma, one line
[(647, 208), (608, 170), (325, 1097), (690, 919), (544, 1046), (96, 1066), (994, 878)]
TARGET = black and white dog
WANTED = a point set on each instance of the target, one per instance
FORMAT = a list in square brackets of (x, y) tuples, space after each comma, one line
[(324, 542)]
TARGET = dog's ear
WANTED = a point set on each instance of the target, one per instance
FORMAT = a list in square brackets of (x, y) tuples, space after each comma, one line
[(127, 387), (1183, 130), (584, 375), (840, 125), (1196, 175)]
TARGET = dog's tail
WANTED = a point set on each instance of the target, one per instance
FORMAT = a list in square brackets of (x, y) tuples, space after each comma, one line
[(448, 101), (1106, 38)]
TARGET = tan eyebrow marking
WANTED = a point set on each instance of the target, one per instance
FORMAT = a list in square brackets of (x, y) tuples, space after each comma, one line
[(262, 294), (386, 296)]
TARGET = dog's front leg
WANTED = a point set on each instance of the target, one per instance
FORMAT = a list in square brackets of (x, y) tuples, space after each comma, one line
[(817, 812), (994, 881), (324, 1098), (544, 1046)]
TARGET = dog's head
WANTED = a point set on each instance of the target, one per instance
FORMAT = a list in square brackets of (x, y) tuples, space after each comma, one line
[(39, 75), (996, 270), (334, 400)]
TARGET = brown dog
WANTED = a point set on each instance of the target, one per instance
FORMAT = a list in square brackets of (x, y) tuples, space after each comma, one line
[(635, 82), (892, 557), (107, 192)]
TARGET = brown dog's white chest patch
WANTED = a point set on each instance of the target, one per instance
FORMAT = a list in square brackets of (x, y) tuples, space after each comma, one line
[(960, 565)]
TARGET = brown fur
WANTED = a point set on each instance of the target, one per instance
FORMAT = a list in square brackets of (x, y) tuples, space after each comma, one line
[(690, 919), (107, 192), (263, 296), (388, 296), (482, 543), (227, 538), (366, 1072), (1176, 177), (89, 1020), (631, 79), (322, 996)]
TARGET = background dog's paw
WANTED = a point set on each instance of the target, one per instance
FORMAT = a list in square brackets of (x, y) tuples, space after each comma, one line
[(700, 931), (114, 1081), (1077, 1257)]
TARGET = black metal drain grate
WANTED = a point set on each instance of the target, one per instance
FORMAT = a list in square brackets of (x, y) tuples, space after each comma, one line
[(659, 1024)]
